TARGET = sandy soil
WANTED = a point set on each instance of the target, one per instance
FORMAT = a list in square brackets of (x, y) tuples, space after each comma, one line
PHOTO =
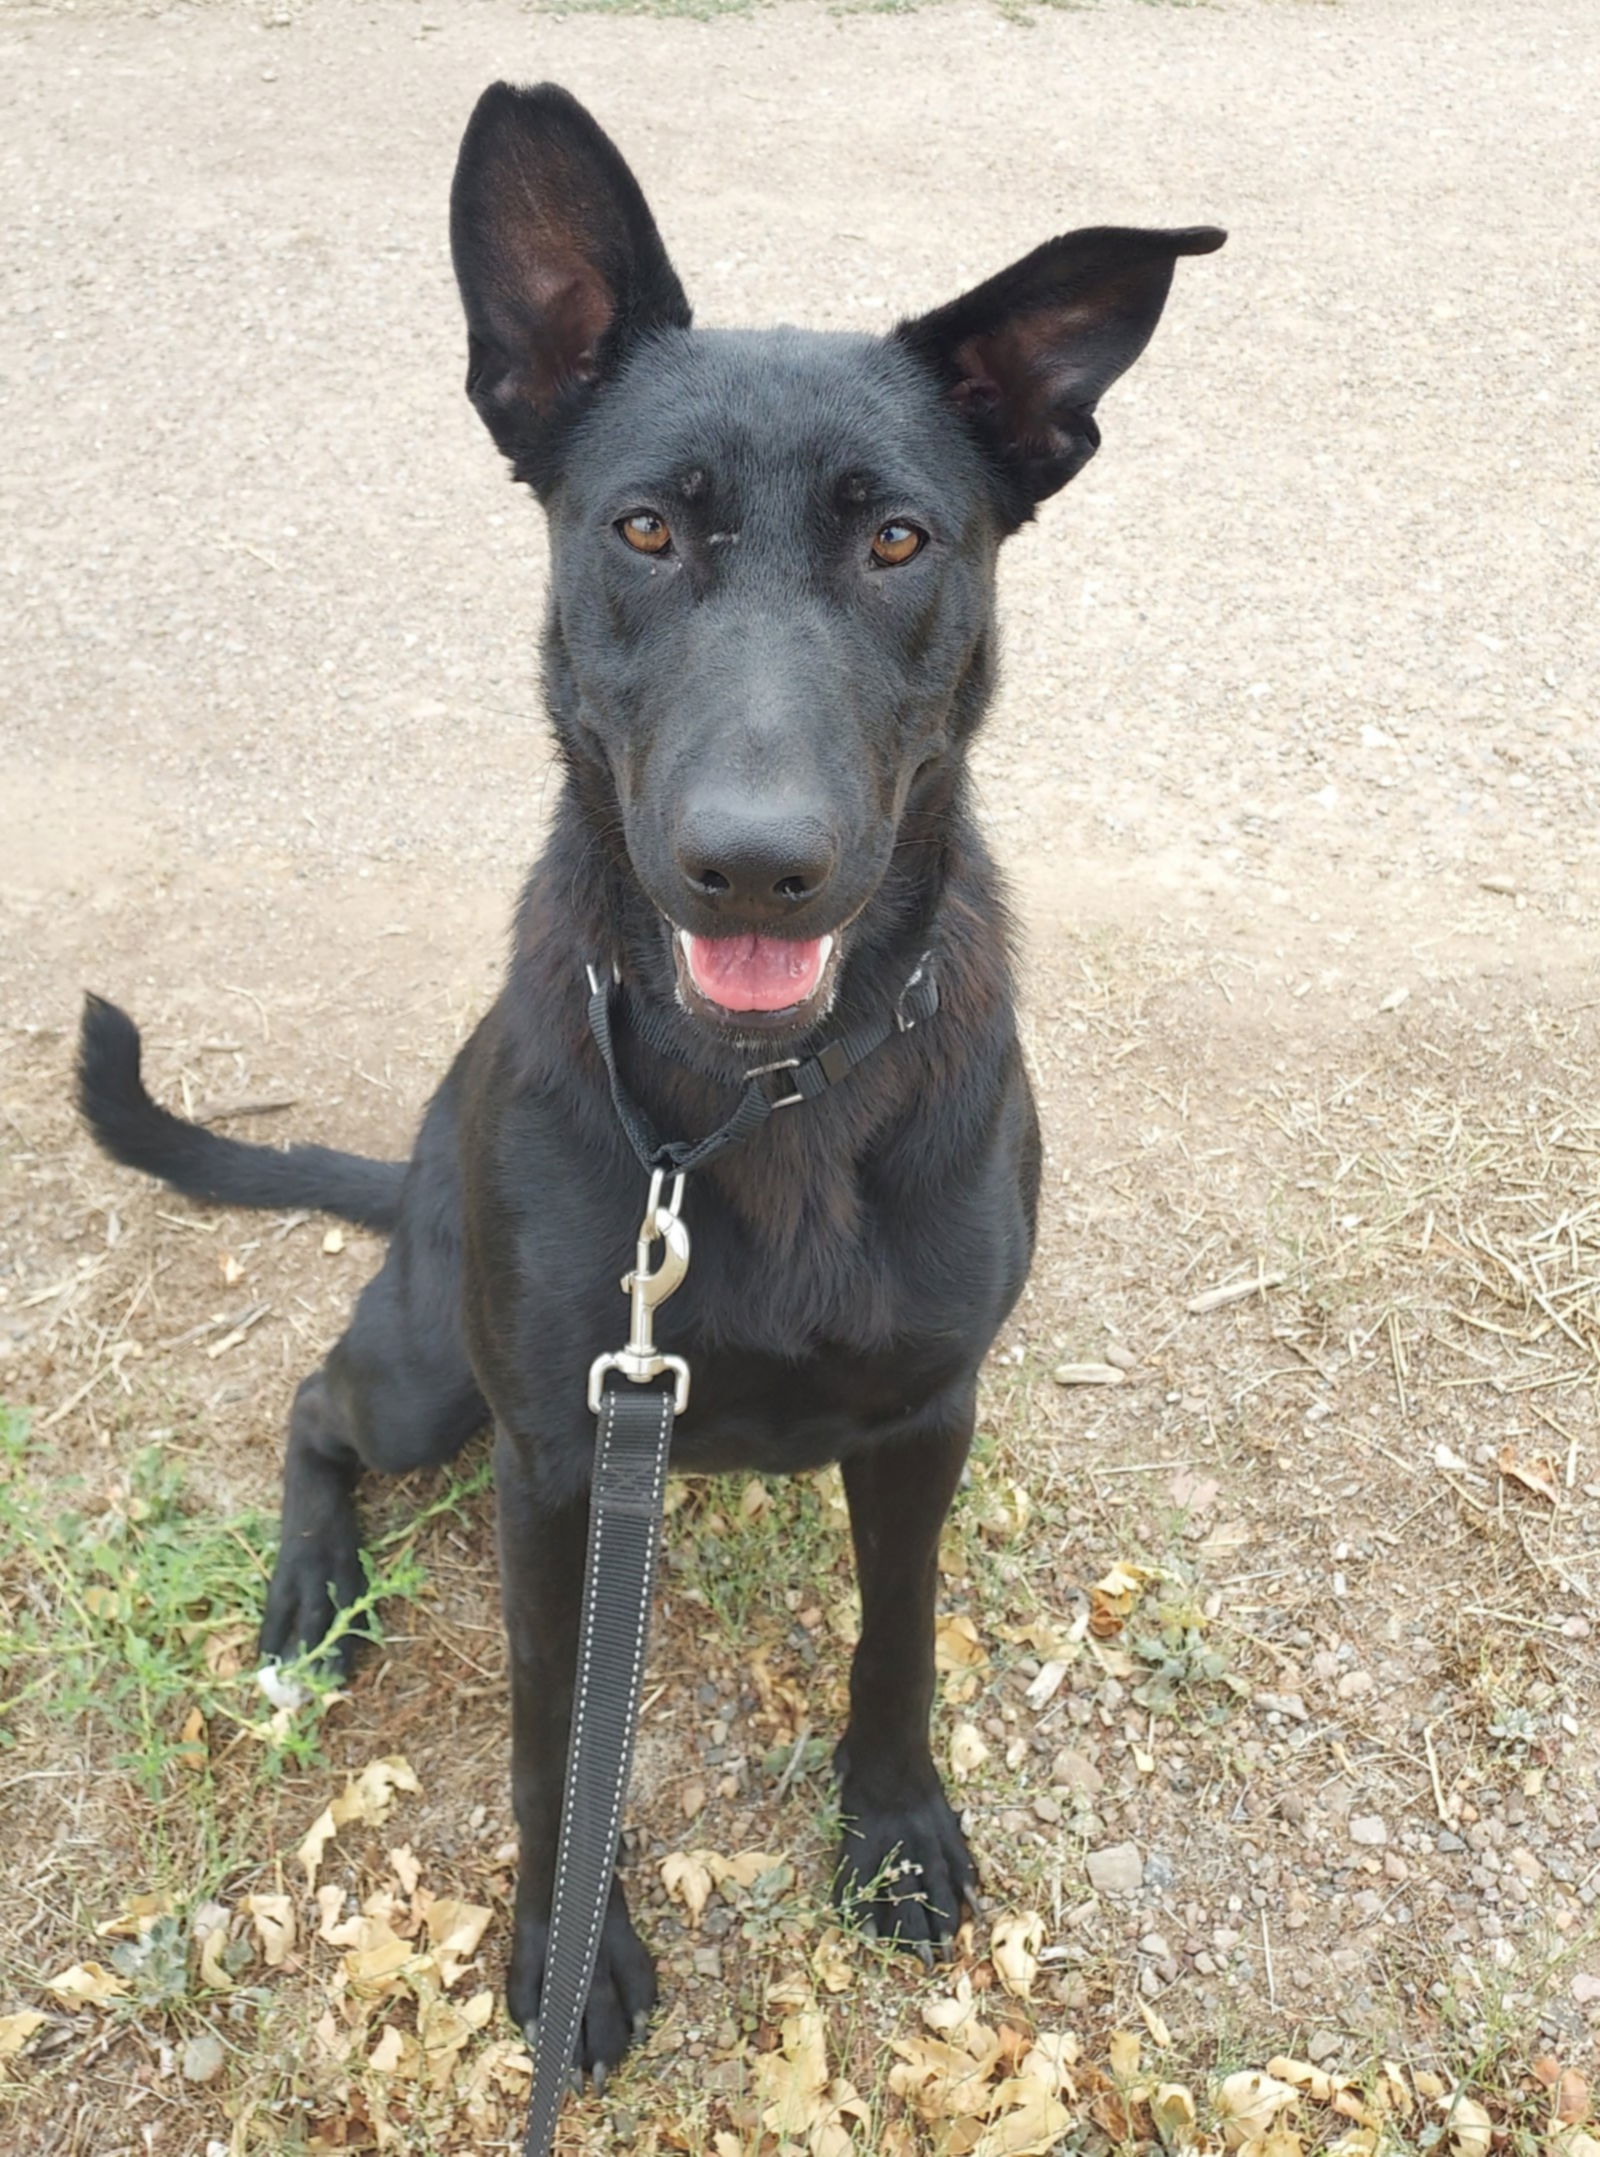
[(1296, 769)]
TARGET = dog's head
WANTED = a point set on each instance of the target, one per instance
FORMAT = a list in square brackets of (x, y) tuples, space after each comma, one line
[(772, 552)]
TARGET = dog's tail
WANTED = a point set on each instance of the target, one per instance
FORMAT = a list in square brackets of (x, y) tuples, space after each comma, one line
[(202, 1164)]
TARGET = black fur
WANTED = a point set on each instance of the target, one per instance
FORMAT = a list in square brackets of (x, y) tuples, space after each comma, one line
[(763, 726), (203, 1164)]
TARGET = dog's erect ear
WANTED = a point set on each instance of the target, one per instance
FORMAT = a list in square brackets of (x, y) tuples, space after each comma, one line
[(1028, 354), (558, 259)]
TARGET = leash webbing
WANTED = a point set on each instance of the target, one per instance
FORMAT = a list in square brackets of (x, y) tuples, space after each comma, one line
[(632, 1446), (630, 1471)]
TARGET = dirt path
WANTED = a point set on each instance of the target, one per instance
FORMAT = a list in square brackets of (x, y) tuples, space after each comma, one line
[(1297, 766)]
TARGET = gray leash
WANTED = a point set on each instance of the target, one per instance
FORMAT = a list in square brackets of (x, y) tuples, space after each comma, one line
[(636, 1411), (630, 1472)]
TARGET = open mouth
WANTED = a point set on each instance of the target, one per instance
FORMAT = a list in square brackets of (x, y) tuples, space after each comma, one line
[(761, 983)]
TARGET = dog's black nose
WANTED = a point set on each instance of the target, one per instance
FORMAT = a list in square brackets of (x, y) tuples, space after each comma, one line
[(761, 867)]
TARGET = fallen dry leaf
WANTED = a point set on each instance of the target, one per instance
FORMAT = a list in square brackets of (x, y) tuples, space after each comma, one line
[(1468, 2125), (374, 1964), (1572, 2098), (792, 2080), (956, 1645), (1389, 2089), (830, 1964), (86, 1984), (272, 1917), (1014, 1950), (1281, 2142), (454, 1931), (687, 1878), (1124, 2047), (784, 1706), (1321, 2088), (1249, 2102), (1053, 1642), (1160, 2035), (210, 1926), (943, 2081), (1050, 2060), (1173, 2110), (744, 1870), (191, 1750), (396, 2053), (1349, 2105), (16, 2031), (1028, 2123), (366, 1797), (955, 2013), (1005, 1513), (1114, 1597), (444, 2030), (136, 1917)]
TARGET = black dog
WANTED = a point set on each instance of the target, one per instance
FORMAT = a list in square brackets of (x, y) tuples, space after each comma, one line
[(770, 639)]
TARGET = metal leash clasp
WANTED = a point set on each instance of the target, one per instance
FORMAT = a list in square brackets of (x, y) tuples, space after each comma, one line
[(645, 1287)]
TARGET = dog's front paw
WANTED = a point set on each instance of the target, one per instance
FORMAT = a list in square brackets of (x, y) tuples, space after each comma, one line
[(905, 1871), (316, 1576), (622, 1993)]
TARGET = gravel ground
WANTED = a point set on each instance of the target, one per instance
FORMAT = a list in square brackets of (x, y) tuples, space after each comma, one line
[(1295, 766), (1322, 609)]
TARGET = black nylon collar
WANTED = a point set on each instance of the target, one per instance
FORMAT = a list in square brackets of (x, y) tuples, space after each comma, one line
[(767, 1087)]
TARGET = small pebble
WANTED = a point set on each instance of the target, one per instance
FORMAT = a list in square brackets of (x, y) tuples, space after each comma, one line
[(1076, 1771), (1368, 1829), (1117, 1870)]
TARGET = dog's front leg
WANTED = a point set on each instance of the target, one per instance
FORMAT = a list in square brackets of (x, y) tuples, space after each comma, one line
[(904, 1865), (542, 1550)]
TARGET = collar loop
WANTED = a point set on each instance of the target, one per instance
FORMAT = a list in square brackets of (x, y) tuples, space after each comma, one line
[(795, 1078)]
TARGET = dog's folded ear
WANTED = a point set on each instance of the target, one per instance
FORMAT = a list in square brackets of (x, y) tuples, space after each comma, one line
[(1028, 354), (559, 263)]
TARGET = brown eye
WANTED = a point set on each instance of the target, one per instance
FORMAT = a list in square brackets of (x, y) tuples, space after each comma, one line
[(897, 543), (645, 532)]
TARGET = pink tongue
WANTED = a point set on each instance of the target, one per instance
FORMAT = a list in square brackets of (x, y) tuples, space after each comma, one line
[(754, 973)]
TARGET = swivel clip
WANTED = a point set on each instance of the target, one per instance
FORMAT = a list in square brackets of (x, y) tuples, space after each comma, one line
[(646, 1287)]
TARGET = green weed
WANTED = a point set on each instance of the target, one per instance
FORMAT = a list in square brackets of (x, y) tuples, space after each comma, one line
[(768, 1547), (129, 1615)]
